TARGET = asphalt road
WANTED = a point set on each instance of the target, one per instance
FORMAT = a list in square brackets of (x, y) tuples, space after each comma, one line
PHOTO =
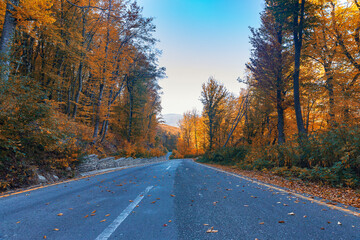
[(177, 199)]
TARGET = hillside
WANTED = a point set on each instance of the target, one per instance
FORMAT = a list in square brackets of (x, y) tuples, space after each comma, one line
[(169, 136), (172, 119)]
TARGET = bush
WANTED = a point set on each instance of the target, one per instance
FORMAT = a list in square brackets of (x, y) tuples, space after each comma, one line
[(226, 156), (331, 157)]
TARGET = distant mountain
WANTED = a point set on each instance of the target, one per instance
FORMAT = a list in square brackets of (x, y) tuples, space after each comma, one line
[(169, 129), (172, 119)]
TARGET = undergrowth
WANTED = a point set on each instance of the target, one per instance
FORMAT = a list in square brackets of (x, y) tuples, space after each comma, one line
[(331, 157)]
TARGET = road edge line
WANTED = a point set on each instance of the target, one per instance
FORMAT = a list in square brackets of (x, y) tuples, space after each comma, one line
[(4, 195), (356, 214)]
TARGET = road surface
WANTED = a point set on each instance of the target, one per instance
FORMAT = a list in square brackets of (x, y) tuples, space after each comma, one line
[(177, 199)]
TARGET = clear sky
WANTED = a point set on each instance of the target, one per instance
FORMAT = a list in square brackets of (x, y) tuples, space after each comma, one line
[(199, 39)]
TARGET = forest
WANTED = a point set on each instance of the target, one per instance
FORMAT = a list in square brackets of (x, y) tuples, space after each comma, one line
[(298, 113), (82, 76), (77, 77)]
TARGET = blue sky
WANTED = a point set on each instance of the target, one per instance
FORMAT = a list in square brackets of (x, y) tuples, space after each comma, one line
[(199, 39)]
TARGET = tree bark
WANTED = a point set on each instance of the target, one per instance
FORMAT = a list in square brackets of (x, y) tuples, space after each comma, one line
[(330, 89), (98, 108), (129, 133), (80, 70), (280, 89), (6, 40), (102, 85), (298, 37), (280, 113)]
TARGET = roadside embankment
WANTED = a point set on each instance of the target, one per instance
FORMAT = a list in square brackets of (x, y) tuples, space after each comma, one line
[(91, 164)]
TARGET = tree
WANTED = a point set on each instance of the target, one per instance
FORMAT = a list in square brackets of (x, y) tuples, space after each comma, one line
[(18, 12), (270, 62), (212, 97), (298, 17)]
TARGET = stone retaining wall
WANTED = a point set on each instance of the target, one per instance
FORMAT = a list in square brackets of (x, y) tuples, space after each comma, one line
[(92, 162)]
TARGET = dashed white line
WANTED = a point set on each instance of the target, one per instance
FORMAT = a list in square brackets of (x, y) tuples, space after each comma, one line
[(116, 223), (168, 168)]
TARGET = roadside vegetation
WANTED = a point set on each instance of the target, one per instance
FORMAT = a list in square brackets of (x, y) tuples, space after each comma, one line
[(76, 77), (298, 115)]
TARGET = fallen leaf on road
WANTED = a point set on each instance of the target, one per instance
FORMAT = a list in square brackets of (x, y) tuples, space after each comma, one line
[(281, 222), (228, 189), (291, 213), (215, 203), (56, 229), (44, 237), (158, 199), (130, 200), (60, 214), (86, 216), (170, 221), (205, 224), (172, 195), (328, 222), (211, 230), (246, 205), (18, 222), (93, 211), (153, 202), (339, 223), (93, 214), (322, 228), (305, 216), (285, 204), (107, 215), (165, 225), (262, 223), (70, 208), (137, 205), (103, 220)]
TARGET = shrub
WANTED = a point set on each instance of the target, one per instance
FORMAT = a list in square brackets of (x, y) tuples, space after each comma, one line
[(226, 156)]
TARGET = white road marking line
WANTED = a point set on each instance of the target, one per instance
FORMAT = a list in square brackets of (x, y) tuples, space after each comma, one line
[(116, 223), (357, 214), (168, 168)]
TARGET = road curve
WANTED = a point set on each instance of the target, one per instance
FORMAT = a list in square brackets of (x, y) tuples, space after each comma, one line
[(178, 199)]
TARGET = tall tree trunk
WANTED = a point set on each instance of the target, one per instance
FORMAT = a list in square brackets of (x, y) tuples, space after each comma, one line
[(330, 89), (211, 133), (280, 88), (105, 130), (81, 65), (280, 113), (129, 133), (102, 85), (6, 41), (98, 111), (298, 28)]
